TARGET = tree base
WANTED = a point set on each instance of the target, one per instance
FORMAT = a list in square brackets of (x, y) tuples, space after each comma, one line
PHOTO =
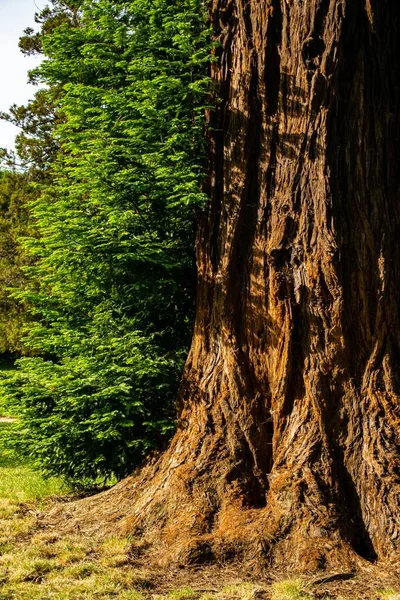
[(177, 519)]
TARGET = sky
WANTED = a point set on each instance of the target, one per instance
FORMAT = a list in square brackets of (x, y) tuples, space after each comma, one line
[(15, 16)]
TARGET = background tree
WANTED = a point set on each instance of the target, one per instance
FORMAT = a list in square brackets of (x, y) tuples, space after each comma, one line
[(287, 447), (112, 285), (15, 193), (26, 171), (36, 145)]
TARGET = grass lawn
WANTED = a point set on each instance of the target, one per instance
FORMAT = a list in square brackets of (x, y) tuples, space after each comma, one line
[(18, 482)]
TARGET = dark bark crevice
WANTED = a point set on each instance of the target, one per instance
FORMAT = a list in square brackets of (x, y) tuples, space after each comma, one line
[(272, 62)]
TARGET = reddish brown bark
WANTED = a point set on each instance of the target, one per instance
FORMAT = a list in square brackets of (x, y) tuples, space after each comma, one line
[(288, 440)]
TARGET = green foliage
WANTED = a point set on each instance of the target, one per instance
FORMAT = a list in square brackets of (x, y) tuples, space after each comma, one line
[(15, 194), (36, 145), (112, 280), (60, 12)]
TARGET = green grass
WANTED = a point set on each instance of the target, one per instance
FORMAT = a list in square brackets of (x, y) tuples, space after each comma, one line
[(18, 481), (388, 595), (291, 589), (37, 565), (21, 484)]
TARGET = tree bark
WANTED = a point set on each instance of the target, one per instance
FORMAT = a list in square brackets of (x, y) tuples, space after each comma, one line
[(288, 441)]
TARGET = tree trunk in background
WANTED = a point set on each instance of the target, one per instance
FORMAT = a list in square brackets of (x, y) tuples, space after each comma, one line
[(288, 442)]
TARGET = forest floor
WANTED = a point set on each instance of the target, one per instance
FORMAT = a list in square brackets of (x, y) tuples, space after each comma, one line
[(41, 564)]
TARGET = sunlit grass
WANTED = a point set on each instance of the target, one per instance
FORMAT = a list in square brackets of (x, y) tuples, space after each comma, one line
[(44, 565), (185, 593), (18, 481), (388, 594), (22, 484), (291, 589)]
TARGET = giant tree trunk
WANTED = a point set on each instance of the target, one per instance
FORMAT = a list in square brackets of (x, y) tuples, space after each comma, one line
[(288, 440)]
